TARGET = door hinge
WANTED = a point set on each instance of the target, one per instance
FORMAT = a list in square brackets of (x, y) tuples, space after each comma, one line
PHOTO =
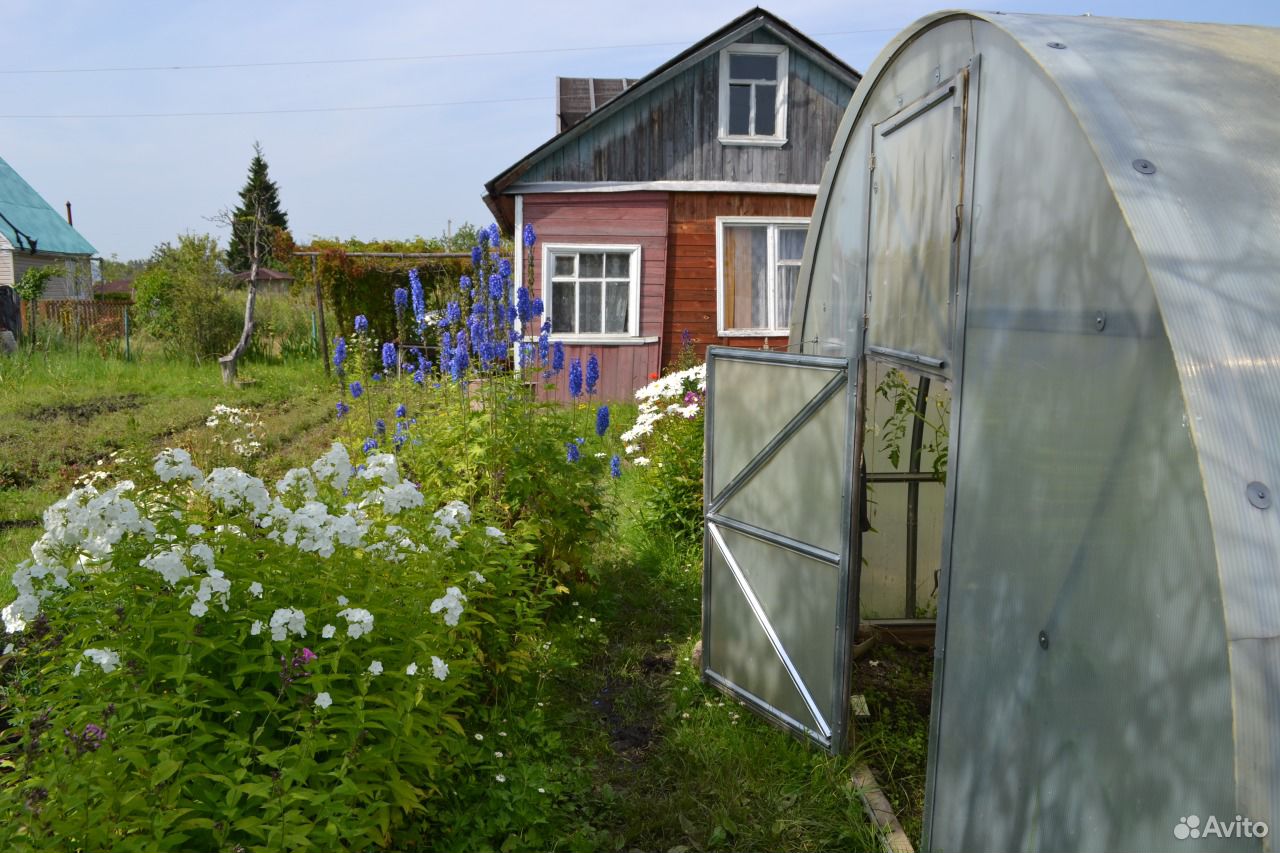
[(871, 163)]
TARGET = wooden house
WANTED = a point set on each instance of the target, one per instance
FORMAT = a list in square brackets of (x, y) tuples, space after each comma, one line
[(680, 205), (33, 234)]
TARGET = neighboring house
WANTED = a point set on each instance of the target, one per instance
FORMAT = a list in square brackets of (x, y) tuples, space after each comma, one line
[(120, 288), (33, 234), (268, 280), (682, 203)]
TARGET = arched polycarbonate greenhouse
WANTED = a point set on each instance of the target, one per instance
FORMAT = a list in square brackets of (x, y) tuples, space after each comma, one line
[(1033, 389)]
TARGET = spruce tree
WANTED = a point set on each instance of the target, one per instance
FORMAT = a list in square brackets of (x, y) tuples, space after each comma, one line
[(260, 194)]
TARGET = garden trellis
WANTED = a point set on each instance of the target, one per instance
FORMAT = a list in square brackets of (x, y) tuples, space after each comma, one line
[(1041, 272), (315, 278)]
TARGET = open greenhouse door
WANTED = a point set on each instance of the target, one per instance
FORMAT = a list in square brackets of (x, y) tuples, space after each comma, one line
[(777, 614)]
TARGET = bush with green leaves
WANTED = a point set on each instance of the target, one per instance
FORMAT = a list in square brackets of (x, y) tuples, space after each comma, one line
[(183, 300), (209, 662), (665, 443), (472, 424)]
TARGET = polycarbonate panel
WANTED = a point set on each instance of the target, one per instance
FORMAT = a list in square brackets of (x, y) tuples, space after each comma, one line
[(797, 594), (1085, 697), (882, 582), (753, 402), (738, 650), (913, 198), (776, 620), (806, 459)]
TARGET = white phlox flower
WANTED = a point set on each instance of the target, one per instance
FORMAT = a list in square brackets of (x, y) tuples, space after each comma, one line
[(359, 621), (495, 533), (255, 589), (334, 467), (328, 631), (287, 620), (381, 466), (411, 669), (299, 479), (236, 491), (451, 604), (168, 564), (212, 584), (323, 700), (104, 658), (439, 668), (174, 463), (375, 668)]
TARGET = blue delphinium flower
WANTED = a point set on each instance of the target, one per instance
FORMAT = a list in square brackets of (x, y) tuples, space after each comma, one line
[(401, 436), (575, 378), (356, 389), (380, 426), (524, 305), (538, 307), (388, 355), (377, 377), (419, 301), (495, 236), (362, 323), (504, 268), (419, 378), (477, 254), (602, 420), (495, 286), (571, 452), (529, 236), (401, 299), (339, 352), (370, 444), (464, 283), (401, 410), (544, 343), (343, 408), (453, 313), (593, 373), (615, 467), (557, 358)]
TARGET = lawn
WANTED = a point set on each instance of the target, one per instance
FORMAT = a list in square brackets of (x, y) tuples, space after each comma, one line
[(612, 726), (62, 415)]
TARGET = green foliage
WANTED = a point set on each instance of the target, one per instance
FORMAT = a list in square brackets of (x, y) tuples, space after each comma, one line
[(260, 205), (183, 301), (211, 733), (34, 281), (900, 392), (355, 285)]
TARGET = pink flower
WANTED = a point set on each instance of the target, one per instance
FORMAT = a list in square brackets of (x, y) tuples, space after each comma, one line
[(308, 656)]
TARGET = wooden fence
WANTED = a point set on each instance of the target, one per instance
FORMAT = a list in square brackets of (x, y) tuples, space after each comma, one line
[(78, 319)]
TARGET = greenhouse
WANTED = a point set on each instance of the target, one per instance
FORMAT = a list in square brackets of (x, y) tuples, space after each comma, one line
[(1032, 392)]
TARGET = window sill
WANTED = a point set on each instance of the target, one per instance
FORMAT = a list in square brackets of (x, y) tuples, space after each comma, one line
[(600, 340), (754, 333), (764, 141)]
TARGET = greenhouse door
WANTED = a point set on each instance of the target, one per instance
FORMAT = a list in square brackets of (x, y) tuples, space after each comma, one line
[(776, 611)]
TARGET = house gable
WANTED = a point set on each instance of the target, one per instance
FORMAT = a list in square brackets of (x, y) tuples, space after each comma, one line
[(666, 128), (26, 218)]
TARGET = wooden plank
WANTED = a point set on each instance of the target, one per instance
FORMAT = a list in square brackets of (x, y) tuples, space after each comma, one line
[(878, 808)]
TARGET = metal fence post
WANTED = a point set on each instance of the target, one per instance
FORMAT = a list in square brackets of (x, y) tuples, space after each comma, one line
[(127, 355)]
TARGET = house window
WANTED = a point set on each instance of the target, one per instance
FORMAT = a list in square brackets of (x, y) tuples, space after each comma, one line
[(753, 94), (757, 268), (594, 290)]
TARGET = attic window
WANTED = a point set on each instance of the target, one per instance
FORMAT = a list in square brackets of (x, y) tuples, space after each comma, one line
[(753, 94)]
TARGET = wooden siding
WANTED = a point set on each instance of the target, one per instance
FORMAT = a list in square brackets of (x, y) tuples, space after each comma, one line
[(672, 133), (632, 219), (691, 270), (59, 287)]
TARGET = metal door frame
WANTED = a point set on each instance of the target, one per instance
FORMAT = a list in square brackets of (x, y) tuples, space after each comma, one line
[(835, 739)]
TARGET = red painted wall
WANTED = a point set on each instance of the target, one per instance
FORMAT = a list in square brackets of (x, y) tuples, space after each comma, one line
[(633, 218)]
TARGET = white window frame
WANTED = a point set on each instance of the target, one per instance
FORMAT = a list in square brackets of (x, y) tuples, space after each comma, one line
[(779, 136), (771, 261), (633, 309)]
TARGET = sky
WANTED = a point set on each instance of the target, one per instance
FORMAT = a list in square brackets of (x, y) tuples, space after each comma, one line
[(469, 89)]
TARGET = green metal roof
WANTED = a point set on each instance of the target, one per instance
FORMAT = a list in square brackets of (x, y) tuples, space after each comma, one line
[(24, 210)]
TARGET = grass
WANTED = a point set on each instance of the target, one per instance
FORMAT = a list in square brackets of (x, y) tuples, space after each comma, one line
[(62, 415), (676, 764)]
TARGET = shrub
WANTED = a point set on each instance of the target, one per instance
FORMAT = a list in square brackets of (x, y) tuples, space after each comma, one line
[(469, 425), (182, 299), (665, 443), (207, 662)]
